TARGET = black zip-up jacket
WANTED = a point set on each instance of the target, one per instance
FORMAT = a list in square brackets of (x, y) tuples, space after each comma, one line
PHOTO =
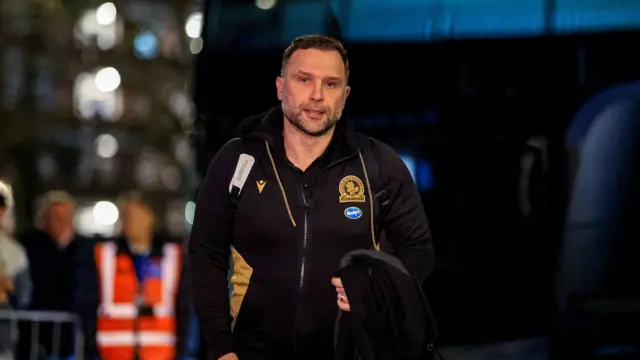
[(390, 318), (288, 233)]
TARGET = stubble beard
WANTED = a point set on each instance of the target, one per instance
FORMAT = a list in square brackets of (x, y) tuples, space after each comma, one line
[(295, 118)]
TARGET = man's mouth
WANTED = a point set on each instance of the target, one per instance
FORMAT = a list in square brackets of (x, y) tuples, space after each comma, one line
[(313, 112)]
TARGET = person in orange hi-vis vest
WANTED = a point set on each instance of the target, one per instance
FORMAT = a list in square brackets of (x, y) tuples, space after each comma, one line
[(143, 306)]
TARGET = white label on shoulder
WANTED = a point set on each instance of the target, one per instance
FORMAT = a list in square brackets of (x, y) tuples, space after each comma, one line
[(243, 168)]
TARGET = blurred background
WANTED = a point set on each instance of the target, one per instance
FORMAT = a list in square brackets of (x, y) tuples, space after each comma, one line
[(96, 99), (518, 120)]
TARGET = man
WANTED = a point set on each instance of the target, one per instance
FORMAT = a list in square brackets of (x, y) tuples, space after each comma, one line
[(56, 255), (144, 307), (15, 281), (306, 203)]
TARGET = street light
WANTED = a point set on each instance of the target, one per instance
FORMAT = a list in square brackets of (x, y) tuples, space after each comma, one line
[(105, 213), (265, 4), (193, 25), (107, 79), (106, 14), (106, 146)]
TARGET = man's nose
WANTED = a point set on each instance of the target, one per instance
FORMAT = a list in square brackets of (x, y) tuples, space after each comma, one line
[(317, 93)]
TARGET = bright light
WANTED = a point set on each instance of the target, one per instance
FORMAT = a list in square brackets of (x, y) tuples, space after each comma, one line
[(189, 212), (106, 14), (193, 26), (107, 79), (106, 146), (105, 213), (87, 225), (89, 102), (410, 163), (266, 4), (146, 45), (91, 30), (196, 45)]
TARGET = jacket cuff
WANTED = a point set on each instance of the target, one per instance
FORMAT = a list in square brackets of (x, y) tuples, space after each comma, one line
[(220, 349)]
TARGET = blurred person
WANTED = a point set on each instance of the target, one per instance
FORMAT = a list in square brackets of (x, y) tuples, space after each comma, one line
[(144, 306), (15, 280), (7, 222), (307, 200), (58, 258)]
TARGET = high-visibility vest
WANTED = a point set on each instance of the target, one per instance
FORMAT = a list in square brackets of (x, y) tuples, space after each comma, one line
[(120, 331)]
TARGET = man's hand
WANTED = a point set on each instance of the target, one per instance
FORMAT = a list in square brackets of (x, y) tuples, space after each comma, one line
[(229, 356), (343, 302)]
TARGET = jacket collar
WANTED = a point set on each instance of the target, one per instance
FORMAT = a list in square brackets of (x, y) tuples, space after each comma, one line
[(156, 246), (268, 126)]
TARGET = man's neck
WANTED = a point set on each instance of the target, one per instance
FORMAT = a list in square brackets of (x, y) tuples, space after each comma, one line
[(302, 149), (139, 245), (64, 240)]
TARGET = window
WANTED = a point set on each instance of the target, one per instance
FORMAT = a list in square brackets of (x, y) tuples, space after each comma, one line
[(420, 170)]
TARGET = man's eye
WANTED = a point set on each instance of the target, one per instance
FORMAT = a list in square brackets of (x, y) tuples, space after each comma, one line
[(304, 80), (332, 85)]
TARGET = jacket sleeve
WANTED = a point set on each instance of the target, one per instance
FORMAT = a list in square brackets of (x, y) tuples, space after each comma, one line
[(405, 223), (209, 251)]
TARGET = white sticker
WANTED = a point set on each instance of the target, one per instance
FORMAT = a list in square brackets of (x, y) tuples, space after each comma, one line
[(243, 168)]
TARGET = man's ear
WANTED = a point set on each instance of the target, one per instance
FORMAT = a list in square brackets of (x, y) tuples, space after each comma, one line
[(279, 83), (347, 91)]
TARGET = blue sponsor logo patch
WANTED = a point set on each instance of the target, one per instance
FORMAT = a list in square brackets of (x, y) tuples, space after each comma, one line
[(352, 213)]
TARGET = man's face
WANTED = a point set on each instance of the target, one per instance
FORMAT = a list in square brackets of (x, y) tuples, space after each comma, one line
[(137, 220), (313, 90), (59, 220)]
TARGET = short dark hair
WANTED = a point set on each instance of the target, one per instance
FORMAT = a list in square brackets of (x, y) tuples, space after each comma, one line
[(319, 42)]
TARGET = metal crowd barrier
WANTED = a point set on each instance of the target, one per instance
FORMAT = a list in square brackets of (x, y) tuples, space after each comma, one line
[(35, 318)]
